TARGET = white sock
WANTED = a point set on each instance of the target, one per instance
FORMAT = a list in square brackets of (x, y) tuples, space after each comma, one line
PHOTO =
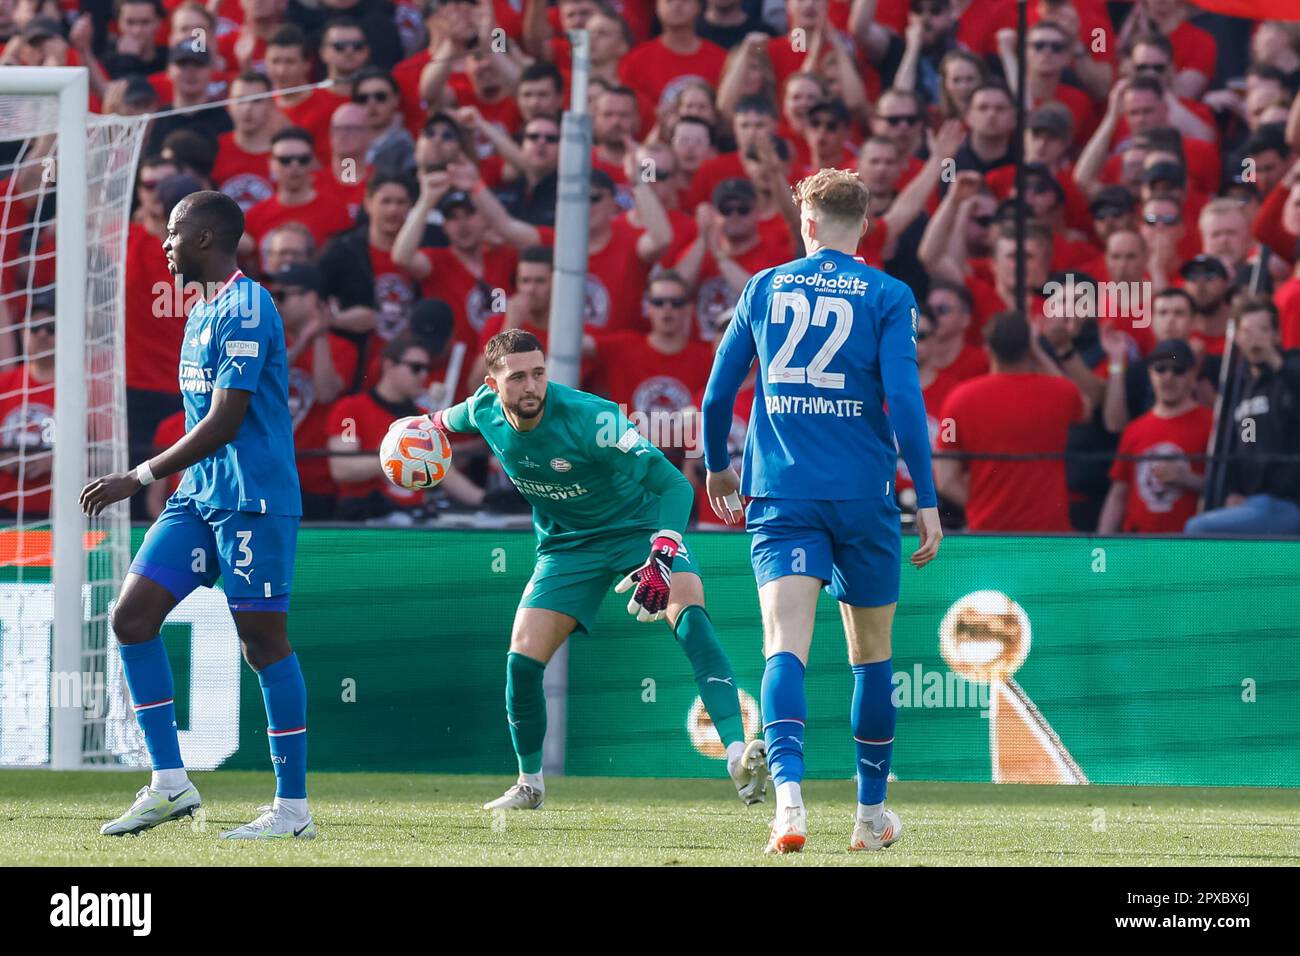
[(788, 795), (735, 750), (295, 808), (533, 780), (171, 781), (870, 812)]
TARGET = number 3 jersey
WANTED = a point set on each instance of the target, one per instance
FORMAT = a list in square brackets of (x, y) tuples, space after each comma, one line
[(835, 340), (236, 341)]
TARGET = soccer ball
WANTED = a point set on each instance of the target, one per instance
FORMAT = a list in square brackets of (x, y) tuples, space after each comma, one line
[(414, 454)]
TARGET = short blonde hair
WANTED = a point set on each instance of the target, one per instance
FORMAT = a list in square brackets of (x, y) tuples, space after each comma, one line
[(836, 194), (1222, 206)]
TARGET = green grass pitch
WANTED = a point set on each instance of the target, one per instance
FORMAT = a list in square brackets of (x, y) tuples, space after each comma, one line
[(417, 819)]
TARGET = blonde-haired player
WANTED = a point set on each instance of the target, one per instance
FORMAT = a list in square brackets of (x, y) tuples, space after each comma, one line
[(835, 341)]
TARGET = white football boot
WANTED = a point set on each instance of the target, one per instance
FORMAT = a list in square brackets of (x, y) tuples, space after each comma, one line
[(750, 773), (151, 808), (275, 823), (789, 831), (866, 838), (519, 797)]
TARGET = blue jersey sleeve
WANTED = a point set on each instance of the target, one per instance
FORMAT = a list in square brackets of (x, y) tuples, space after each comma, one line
[(243, 330), (902, 385), (731, 363)]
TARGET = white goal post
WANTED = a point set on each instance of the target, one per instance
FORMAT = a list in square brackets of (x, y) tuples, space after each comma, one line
[(88, 177)]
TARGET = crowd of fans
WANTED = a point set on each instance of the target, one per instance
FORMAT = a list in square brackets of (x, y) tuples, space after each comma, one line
[(406, 212)]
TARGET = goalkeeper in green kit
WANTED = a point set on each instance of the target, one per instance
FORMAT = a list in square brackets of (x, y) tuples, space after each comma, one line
[(606, 504)]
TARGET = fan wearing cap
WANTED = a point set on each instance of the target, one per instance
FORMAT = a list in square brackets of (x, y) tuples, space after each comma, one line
[(1263, 492), (1128, 386), (1207, 281), (321, 365), (1112, 209), (1159, 495), (471, 275), (297, 196), (1048, 131), (189, 75), (27, 418), (620, 255), (193, 58)]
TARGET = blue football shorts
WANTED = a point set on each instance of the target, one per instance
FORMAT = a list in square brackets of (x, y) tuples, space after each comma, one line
[(192, 545), (854, 546)]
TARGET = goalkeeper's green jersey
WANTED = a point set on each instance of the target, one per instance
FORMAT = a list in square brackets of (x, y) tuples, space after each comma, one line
[(585, 469)]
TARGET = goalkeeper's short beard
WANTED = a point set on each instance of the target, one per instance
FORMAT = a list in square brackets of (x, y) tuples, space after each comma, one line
[(518, 412)]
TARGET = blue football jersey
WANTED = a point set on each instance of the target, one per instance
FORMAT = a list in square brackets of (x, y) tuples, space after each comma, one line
[(835, 340), (236, 341)]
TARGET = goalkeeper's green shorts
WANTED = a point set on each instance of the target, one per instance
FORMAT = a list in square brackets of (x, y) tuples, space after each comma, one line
[(575, 581)]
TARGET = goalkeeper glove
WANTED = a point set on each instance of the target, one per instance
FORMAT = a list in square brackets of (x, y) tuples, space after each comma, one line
[(654, 579)]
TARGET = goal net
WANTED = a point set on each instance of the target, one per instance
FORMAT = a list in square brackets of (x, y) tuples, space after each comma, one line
[(66, 188)]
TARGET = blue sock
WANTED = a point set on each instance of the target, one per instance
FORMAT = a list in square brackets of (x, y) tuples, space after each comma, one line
[(149, 678), (873, 718), (784, 711), (285, 695)]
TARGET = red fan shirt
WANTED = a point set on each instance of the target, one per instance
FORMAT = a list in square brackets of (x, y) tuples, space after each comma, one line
[(155, 316), (1152, 506), (365, 422), (657, 74), (1013, 414), (714, 294), (27, 428), (324, 215), (243, 176), (642, 379), (311, 418), (616, 280), (472, 300), (313, 114)]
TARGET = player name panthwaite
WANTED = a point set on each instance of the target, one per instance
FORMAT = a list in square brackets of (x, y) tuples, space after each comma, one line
[(813, 405), (74, 909)]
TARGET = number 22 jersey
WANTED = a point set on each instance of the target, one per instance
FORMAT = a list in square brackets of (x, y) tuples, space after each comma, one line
[(834, 339)]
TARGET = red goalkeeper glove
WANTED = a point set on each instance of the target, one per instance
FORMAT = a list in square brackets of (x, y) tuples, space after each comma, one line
[(654, 579)]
